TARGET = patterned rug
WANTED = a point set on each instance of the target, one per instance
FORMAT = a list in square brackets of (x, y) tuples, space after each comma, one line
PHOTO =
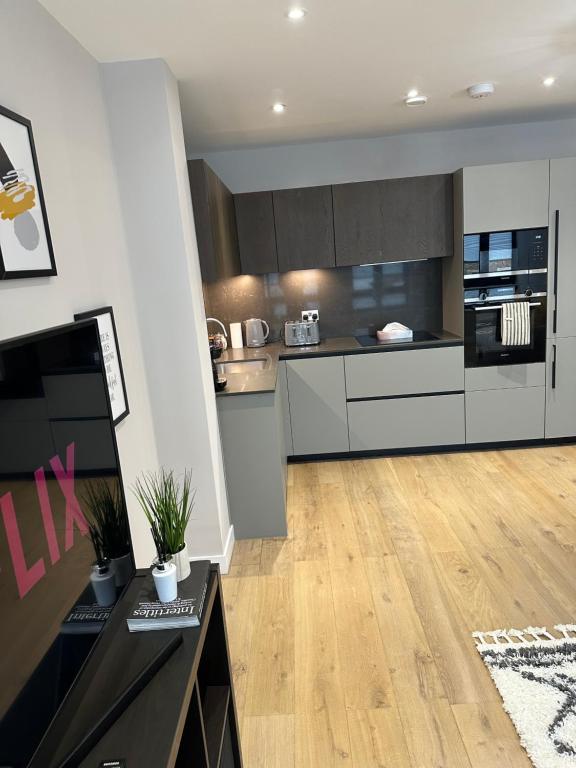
[(535, 673)]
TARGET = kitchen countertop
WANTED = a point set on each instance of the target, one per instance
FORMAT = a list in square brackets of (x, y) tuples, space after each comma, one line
[(262, 381)]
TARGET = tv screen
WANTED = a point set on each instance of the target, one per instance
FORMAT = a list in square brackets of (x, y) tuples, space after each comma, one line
[(65, 551)]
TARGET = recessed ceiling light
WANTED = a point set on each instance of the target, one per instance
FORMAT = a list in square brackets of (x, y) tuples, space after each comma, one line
[(480, 90), (415, 99), (296, 14), (548, 82), (279, 108)]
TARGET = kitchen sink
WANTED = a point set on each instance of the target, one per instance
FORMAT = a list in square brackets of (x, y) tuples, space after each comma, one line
[(242, 366)]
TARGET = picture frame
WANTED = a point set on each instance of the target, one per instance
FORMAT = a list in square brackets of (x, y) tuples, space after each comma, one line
[(25, 243), (112, 360)]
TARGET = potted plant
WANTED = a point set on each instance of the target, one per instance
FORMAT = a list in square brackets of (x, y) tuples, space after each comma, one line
[(164, 571), (101, 578), (168, 506), (107, 511)]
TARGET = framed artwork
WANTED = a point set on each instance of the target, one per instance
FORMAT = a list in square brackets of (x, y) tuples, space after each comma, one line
[(112, 360), (25, 244)]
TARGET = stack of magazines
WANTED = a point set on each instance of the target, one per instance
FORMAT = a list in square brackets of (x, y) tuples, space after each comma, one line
[(186, 611)]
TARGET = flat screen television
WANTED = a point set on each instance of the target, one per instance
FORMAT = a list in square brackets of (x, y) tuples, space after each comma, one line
[(60, 486)]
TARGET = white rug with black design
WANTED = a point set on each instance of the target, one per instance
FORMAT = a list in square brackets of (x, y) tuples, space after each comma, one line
[(535, 672)]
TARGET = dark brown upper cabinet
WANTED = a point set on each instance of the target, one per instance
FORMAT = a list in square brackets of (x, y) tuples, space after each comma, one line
[(304, 228), (215, 222), (393, 220), (256, 232)]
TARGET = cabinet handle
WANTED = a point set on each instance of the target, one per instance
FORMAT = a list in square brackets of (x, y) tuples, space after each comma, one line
[(556, 247), (554, 367)]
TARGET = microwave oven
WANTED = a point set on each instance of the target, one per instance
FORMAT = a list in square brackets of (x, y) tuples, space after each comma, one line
[(512, 252)]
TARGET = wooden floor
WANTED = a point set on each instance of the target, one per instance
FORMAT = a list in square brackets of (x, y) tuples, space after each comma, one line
[(350, 640)]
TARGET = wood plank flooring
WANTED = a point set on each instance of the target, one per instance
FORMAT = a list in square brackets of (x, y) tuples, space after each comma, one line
[(350, 639)]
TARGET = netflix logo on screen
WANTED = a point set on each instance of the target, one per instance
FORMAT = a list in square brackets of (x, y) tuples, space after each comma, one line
[(28, 574)]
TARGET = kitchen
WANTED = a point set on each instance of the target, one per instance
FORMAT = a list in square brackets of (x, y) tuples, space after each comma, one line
[(443, 258)]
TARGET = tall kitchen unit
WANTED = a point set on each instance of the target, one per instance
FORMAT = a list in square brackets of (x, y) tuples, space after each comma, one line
[(501, 217), (561, 343)]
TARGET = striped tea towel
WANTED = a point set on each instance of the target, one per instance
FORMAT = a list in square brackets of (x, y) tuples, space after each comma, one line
[(516, 323)]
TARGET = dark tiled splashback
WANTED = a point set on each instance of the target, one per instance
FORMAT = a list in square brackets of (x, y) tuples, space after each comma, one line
[(351, 300)]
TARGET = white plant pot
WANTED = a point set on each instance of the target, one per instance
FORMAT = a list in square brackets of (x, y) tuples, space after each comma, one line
[(182, 563), (122, 569), (166, 583)]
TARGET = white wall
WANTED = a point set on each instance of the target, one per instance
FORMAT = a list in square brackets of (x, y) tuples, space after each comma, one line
[(148, 142), (49, 78), (333, 162)]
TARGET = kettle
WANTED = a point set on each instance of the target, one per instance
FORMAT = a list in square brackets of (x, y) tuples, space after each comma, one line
[(255, 336)]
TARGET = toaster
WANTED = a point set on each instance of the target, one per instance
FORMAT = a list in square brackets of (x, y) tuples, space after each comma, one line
[(301, 333)]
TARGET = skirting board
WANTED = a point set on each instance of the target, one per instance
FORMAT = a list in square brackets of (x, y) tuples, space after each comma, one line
[(225, 558), (424, 450)]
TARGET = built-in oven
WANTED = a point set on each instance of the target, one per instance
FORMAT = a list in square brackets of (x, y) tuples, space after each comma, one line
[(512, 252), (483, 300)]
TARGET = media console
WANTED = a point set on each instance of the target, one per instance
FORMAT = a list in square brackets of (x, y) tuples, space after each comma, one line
[(185, 717)]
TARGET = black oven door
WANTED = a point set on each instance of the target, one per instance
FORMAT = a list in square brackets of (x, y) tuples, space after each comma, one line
[(483, 336)]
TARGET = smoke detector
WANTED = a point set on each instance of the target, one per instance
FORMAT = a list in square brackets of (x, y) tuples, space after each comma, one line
[(480, 90)]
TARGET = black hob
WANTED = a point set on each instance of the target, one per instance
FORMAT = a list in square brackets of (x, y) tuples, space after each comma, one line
[(372, 341)]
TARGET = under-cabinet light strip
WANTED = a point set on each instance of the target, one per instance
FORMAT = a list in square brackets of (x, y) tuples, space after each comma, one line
[(399, 261)]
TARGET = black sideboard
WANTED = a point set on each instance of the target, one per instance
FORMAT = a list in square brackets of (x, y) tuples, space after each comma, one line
[(186, 715)]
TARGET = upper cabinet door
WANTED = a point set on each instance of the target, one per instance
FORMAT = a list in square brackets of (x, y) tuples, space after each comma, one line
[(256, 232), (215, 223), (393, 220), (304, 228), (562, 248), (507, 196)]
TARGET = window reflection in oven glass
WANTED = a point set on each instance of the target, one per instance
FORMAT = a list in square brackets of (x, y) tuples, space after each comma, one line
[(471, 254), (488, 331), (500, 248)]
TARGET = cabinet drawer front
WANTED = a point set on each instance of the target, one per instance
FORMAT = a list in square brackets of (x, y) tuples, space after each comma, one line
[(506, 196), (318, 405), (409, 372), (561, 388), (256, 232), (393, 219), (409, 422), (563, 200), (304, 222), (497, 415), (505, 376)]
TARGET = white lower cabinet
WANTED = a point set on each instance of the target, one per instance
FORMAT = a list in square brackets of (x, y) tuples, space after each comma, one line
[(500, 415), (501, 403), (405, 372), (561, 388), (407, 422), (317, 396), (505, 376)]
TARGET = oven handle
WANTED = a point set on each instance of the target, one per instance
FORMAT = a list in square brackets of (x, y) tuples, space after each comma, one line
[(499, 306), (554, 367), (556, 250)]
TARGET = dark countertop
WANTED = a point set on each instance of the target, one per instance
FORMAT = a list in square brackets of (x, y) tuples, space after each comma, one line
[(262, 381)]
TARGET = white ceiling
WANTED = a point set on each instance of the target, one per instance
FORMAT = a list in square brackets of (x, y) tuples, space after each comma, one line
[(344, 69)]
